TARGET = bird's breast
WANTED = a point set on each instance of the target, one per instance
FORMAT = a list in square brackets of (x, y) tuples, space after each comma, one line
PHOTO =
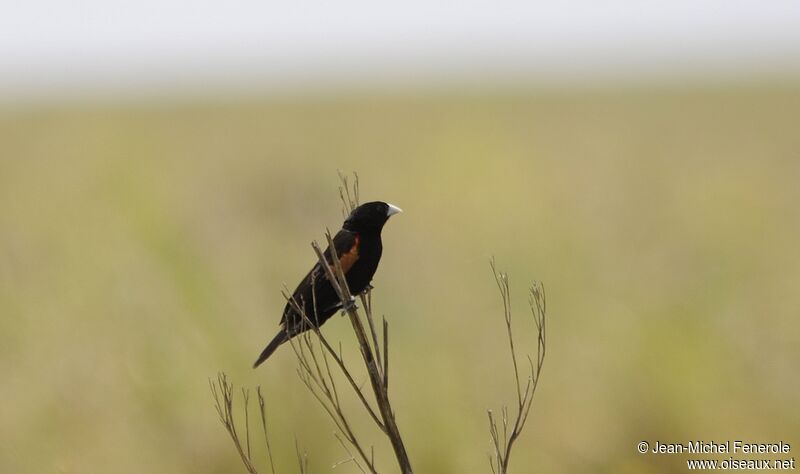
[(365, 265)]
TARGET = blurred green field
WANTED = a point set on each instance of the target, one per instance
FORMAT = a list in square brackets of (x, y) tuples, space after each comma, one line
[(143, 248)]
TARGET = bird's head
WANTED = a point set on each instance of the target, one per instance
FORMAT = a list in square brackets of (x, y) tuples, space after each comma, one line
[(370, 216)]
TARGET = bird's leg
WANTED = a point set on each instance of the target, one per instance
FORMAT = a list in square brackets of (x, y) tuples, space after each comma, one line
[(367, 289)]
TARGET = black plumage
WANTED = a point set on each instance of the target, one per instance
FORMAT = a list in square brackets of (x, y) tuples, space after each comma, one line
[(358, 246)]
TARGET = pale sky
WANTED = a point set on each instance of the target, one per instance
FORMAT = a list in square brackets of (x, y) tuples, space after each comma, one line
[(53, 46)]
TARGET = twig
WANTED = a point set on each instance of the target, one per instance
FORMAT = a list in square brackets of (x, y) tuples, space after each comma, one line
[(262, 409), (337, 357), (385, 354), (246, 397), (222, 392), (366, 301), (349, 202), (302, 458), (317, 377), (351, 458), (499, 459)]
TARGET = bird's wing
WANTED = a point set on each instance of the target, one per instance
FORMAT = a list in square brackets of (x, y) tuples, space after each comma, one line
[(346, 245)]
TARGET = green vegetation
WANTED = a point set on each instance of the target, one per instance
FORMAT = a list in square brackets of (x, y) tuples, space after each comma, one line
[(143, 248)]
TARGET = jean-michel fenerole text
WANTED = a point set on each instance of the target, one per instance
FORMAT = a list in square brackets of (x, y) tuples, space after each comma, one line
[(724, 447)]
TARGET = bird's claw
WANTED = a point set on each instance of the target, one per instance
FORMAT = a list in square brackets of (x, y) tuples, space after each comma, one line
[(350, 305)]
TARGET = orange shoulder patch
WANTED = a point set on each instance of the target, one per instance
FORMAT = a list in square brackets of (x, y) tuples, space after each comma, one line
[(348, 259)]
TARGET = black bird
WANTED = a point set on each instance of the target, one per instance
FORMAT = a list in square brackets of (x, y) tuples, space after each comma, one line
[(359, 248)]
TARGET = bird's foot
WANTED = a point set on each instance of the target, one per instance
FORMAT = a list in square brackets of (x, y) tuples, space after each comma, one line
[(350, 305)]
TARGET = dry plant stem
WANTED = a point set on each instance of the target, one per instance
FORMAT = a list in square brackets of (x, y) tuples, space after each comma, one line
[(337, 358), (302, 458), (336, 277), (246, 397), (349, 201), (385, 354), (319, 380), (366, 301), (351, 458), (321, 383), (499, 460), (263, 411), (222, 391)]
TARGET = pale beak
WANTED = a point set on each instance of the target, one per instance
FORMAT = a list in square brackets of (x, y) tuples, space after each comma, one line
[(392, 210)]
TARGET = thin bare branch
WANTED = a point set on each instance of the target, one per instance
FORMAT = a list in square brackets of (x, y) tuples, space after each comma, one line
[(222, 392), (350, 459), (337, 357), (349, 201), (246, 397), (302, 458), (316, 375), (512, 429), (262, 409), (385, 354), (366, 301)]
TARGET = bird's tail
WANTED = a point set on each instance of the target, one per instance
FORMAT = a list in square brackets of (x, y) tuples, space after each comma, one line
[(279, 339)]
